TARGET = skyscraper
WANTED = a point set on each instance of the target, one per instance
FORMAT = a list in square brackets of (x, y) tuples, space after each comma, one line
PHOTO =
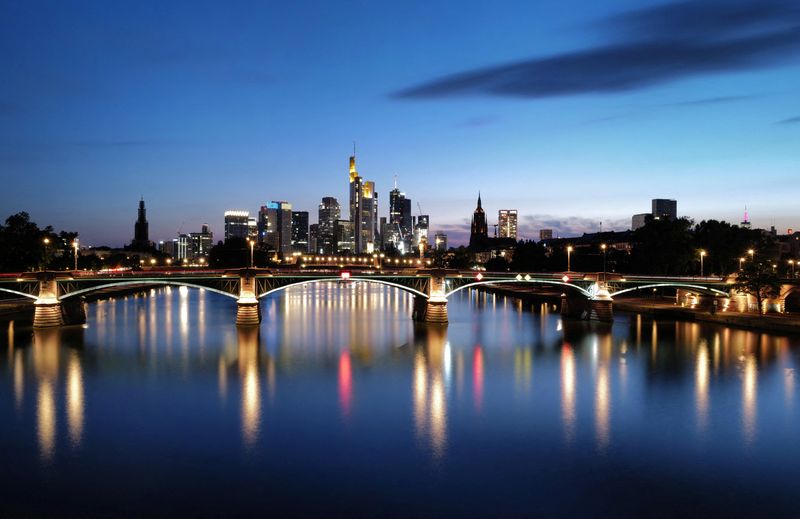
[(141, 236), (236, 224), (363, 210), (507, 221), (479, 231), (300, 231), (440, 242), (275, 227), (313, 238), (329, 212), (665, 208)]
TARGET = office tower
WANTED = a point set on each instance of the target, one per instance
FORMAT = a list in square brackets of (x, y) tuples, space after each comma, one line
[(300, 231), (665, 208), (440, 242), (343, 237), (313, 238), (479, 230), (383, 230), (329, 212), (252, 228), (141, 236), (236, 224), (182, 247), (639, 220), (275, 227), (363, 210), (199, 243), (507, 223), (545, 234), (421, 230)]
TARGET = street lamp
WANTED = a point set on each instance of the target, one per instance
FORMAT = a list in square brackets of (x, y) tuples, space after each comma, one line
[(75, 246), (252, 244), (791, 264), (46, 251), (752, 253), (702, 255), (603, 247), (741, 260), (569, 253)]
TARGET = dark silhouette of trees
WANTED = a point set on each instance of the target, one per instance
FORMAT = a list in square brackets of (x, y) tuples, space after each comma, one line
[(664, 247)]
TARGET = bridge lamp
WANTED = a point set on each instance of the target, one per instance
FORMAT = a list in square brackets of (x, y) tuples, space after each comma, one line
[(202, 261), (75, 246), (479, 276), (519, 277), (152, 261), (569, 254), (345, 275), (527, 277), (169, 261), (702, 256), (565, 279)]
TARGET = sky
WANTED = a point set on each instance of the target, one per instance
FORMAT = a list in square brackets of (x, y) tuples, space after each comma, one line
[(575, 113)]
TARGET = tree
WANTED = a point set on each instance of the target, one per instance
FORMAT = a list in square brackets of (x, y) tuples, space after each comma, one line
[(664, 247), (758, 280)]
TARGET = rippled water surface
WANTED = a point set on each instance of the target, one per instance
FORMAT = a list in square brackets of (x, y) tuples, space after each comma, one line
[(340, 403)]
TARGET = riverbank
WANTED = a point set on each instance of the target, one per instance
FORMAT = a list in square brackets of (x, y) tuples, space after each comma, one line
[(667, 309)]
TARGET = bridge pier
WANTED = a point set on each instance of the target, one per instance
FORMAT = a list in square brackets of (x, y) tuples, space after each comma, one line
[(599, 308), (248, 311), (47, 307), (433, 309)]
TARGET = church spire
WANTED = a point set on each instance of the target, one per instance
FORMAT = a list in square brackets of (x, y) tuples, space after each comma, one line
[(479, 200)]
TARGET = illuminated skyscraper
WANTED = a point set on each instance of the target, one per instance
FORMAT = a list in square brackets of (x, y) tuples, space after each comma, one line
[(236, 224), (507, 222), (300, 231), (329, 212), (275, 227), (363, 210)]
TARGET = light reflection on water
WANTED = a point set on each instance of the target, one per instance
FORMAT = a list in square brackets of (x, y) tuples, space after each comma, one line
[(345, 367)]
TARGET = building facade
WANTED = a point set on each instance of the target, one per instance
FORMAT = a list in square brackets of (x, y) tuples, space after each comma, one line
[(300, 231), (507, 223), (329, 212), (236, 224)]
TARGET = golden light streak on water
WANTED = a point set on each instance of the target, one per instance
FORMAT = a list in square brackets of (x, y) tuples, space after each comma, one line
[(602, 408), (568, 392), (75, 399), (701, 381), (438, 416), (46, 420), (251, 385), (19, 379), (749, 398), (420, 392)]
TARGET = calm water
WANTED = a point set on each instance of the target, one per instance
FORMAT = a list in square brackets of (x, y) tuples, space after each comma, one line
[(339, 403)]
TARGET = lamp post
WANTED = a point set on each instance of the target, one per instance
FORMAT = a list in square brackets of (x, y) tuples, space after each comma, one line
[(603, 248), (252, 245), (791, 264), (702, 256), (75, 246), (741, 260), (46, 251), (569, 253), (752, 253)]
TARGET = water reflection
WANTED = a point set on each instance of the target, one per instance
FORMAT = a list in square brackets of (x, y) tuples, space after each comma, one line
[(75, 403), (429, 392), (249, 349), (568, 392), (701, 386), (749, 398)]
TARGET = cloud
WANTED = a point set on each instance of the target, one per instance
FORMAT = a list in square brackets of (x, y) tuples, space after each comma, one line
[(668, 43), (712, 100), (790, 120), (530, 225)]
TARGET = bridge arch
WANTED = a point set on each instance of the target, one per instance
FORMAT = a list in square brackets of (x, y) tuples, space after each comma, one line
[(699, 288), (539, 281), (16, 292), (337, 278), (145, 283)]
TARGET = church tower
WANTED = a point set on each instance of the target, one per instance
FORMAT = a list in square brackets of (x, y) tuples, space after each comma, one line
[(479, 232)]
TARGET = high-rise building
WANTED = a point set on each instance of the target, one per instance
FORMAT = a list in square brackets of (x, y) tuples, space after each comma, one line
[(664, 208), (300, 231), (141, 237), (421, 230), (236, 225), (545, 234), (440, 242), (275, 227), (329, 212), (479, 231), (199, 243), (252, 228), (507, 223), (399, 227), (313, 238), (343, 236), (363, 210)]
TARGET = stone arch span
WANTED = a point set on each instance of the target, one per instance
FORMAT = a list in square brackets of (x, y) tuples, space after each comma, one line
[(699, 288), (145, 283), (518, 281), (337, 278)]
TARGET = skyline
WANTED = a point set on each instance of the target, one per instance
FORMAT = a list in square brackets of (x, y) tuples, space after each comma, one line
[(201, 109)]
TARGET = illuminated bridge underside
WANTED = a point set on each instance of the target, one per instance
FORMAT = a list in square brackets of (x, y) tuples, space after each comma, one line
[(699, 288), (470, 284), (411, 284)]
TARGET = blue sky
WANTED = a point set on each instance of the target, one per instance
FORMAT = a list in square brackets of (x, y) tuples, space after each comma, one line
[(572, 112)]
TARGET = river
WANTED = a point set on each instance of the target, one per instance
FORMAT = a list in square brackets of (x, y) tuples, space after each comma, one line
[(339, 404)]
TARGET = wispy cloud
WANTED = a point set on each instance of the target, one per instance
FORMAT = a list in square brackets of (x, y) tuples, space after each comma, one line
[(790, 120), (712, 100), (660, 45)]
